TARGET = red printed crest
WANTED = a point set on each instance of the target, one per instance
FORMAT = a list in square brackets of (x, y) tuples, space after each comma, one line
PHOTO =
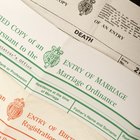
[(15, 109)]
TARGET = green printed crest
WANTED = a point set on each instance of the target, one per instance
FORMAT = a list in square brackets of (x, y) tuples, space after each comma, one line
[(52, 58)]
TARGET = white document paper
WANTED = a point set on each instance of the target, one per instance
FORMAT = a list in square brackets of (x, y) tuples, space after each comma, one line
[(110, 26), (68, 74), (25, 117)]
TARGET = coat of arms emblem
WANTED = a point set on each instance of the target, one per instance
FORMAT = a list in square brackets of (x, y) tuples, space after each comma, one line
[(85, 7), (15, 109), (52, 58)]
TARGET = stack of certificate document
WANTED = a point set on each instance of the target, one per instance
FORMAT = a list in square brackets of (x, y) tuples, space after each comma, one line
[(73, 75)]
